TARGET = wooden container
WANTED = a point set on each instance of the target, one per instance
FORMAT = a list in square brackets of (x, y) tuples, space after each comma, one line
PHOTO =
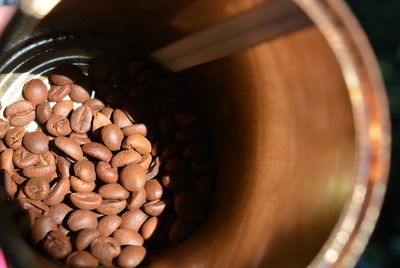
[(300, 123)]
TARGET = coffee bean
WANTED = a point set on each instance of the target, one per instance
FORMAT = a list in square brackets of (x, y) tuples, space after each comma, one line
[(149, 227), (69, 147), (137, 199), (131, 256), (102, 88), (80, 138), (133, 177), (36, 142), (85, 237), (35, 91), (59, 212), (188, 207), (136, 129), (112, 137), (18, 178), (98, 151), (58, 126), (177, 165), (127, 237), (126, 157), (100, 68), (41, 227), (180, 230), (81, 91), (201, 164), (195, 149), (113, 191), (85, 200), (153, 190), (85, 170), (63, 167), (108, 224), (154, 169), (20, 113), (100, 120), (4, 127), (111, 207), (9, 186), (133, 219), (63, 108), (35, 207), (138, 143), (45, 168), (79, 185), (108, 111), (81, 119), (106, 173), (121, 119), (14, 137), (43, 112), (57, 245), (146, 161), (177, 183), (154, 208), (66, 74), (105, 249), (58, 93), (82, 219), (2, 146), (37, 188), (6, 161), (82, 259), (95, 105), (58, 192)]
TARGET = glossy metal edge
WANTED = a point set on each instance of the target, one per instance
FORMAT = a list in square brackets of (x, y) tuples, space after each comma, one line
[(372, 127)]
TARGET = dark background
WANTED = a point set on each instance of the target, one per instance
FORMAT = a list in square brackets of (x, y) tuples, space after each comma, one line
[(381, 21)]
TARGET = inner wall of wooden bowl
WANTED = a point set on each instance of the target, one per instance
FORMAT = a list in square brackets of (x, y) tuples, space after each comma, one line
[(282, 124)]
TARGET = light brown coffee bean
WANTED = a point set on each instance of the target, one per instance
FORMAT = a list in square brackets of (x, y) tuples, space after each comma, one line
[(113, 191), (126, 157), (58, 93), (136, 129), (108, 111), (20, 113), (85, 170), (154, 208), (133, 177), (111, 207), (179, 230), (37, 188), (100, 120), (153, 169), (45, 168), (85, 200), (58, 192), (138, 143), (43, 112), (66, 74), (101, 68), (63, 108), (35, 207), (105, 249), (82, 259), (6, 161), (149, 227), (188, 207), (2, 146), (9, 186), (95, 105), (63, 230), (121, 119), (79, 185), (128, 237), (98, 151), (131, 256), (112, 137), (35, 91), (14, 137), (146, 161), (69, 147), (81, 91), (59, 212), (36, 142), (108, 224), (85, 237), (82, 219), (41, 227), (57, 245), (153, 189), (81, 119), (63, 167), (4, 127), (106, 173), (18, 178), (133, 219), (80, 138), (137, 199), (58, 126)]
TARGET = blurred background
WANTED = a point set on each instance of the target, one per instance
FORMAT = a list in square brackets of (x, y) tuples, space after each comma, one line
[(381, 21)]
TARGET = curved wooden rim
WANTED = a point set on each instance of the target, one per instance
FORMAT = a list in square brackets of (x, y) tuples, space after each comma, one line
[(372, 125)]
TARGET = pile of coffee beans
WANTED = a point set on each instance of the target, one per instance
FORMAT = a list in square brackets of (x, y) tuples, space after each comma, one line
[(105, 180)]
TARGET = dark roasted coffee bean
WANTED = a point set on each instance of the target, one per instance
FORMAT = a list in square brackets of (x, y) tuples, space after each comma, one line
[(133, 177), (82, 219), (41, 227), (82, 259), (79, 185), (69, 147), (57, 245), (35, 91), (108, 224), (66, 74), (22, 158), (105, 249), (85, 200), (20, 113), (58, 192), (81, 119), (59, 212), (63, 108), (37, 188), (36, 142), (58, 93), (113, 191), (43, 112), (131, 256), (4, 127), (111, 207), (98, 151), (106, 173), (126, 157), (100, 68), (58, 126), (14, 137), (85, 237), (128, 237), (85, 170), (112, 137), (133, 220)]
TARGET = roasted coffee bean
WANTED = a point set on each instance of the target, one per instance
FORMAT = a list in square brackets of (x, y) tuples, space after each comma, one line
[(137, 199), (85, 170), (146, 161), (105, 249), (112, 137), (128, 237), (57, 245), (79, 185), (202, 164), (85, 200), (95, 105), (9, 186), (171, 150), (41, 227), (111, 207), (58, 93), (22, 158), (102, 88), (66, 74), (100, 120), (131, 256), (98, 151), (63, 167), (14, 137), (59, 212), (18, 178), (179, 230), (58, 126), (69, 147), (121, 119), (108, 224), (63, 108), (133, 220), (80, 138), (138, 143), (188, 207), (153, 190), (36, 142), (35, 91), (81, 91), (82, 219), (58, 192), (153, 169), (154, 208), (82, 259), (2, 146), (166, 126), (133, 177), (36, 207), (4, 127), (101, 68), (85, 237), (195, 149), (136, 129), (126, 157), (115, 97), (37, 188), (45, 168), (113, 191), (43, 112), (6, 161), (149, 227), (177, 165), (106, 173), (118, 74), (177, 183), (81, 119), (20, 113), (108, 111)]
